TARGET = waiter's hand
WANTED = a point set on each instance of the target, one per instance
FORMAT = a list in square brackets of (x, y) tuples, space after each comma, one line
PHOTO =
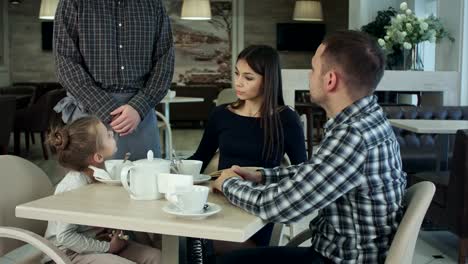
[(125, 120)]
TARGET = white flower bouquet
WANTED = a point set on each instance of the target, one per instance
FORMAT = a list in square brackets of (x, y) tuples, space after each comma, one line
[(406, 30)]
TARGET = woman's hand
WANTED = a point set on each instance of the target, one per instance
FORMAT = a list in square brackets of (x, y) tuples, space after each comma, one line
[(236, 171), (248, 175)]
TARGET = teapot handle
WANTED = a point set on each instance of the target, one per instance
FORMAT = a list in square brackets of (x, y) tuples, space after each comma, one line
[(124, 176)]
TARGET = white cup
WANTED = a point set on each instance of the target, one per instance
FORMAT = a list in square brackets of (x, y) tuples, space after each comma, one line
[(174, 180), (190, 167), (188, 200), (114, 167)]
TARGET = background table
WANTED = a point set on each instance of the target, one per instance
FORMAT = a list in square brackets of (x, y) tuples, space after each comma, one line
[(428, 126), (110, 206)]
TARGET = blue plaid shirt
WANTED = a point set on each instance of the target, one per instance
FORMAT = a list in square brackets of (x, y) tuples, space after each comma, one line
[(354, 179), (106, 46)]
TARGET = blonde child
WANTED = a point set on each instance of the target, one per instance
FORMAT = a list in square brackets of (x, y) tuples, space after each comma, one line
[(80, 144)]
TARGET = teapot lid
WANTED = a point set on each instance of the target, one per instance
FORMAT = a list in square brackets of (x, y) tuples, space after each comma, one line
[(150, 160), (150, 155)]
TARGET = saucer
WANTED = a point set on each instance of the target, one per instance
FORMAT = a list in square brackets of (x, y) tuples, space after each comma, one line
[(201, 178), (111, 182), (173, 210)]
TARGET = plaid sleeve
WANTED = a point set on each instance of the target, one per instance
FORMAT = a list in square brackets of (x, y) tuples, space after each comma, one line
[(71, 71), (276, 174), (333, 171), (161, 75)]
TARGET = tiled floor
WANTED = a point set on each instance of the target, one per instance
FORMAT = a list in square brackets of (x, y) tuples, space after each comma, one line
[(435, 247)]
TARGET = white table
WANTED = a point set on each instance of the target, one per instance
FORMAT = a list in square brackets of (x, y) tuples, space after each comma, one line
[(110, 206), (428, 126), (178, 99)]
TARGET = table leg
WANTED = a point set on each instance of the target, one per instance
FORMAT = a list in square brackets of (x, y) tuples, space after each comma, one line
[(170, 250), (167, 116), (443, 142)]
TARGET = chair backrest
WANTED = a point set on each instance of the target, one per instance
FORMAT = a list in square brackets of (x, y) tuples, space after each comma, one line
[(21, 182), (42, 110), (167, 128), (7, 115), (417, 200), (226, 96), (457, 194)]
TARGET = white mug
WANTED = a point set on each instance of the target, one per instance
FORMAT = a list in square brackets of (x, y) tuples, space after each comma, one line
[(190, 167), (188, 200), (114, 168), (141, 182)]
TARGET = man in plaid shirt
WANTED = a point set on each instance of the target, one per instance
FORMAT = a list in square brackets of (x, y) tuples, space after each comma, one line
[(354, 179), (115, 58)]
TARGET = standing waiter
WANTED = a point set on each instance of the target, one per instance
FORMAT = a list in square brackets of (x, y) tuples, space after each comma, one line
[(115, 58)]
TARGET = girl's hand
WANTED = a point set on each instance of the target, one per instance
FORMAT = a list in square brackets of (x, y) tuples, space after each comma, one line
[(117, 244), (104, 236)]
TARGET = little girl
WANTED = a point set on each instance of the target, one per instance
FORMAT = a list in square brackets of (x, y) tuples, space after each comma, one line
[(80, 144)]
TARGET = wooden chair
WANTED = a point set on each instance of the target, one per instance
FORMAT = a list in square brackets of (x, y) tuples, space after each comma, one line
[(22, 181)]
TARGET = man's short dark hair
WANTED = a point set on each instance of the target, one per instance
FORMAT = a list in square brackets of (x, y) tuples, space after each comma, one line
[(357, 55)]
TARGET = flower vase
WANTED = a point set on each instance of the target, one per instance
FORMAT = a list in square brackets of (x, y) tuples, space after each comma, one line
[(412, 59)]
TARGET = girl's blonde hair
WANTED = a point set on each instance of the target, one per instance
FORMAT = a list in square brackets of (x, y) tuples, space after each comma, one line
[(76, 142)]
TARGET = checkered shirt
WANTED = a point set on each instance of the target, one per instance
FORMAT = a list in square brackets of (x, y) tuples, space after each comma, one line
[(354, 179), (108, 46)]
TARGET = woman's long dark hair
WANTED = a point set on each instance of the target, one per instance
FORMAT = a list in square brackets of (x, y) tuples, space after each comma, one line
[(264, 60)]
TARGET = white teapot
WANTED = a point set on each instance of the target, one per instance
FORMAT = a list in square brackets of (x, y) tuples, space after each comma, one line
[(141, 178)]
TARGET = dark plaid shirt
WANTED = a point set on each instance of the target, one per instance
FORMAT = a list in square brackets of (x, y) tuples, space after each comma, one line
[(105, 46), (354, 179)]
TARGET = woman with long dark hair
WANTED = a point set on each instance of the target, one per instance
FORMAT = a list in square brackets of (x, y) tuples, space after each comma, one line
[(258, 129)]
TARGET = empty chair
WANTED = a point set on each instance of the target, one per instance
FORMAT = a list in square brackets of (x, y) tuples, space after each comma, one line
[(449, 209), (7, 115), (37, 118), (22, 182), (164, 126), (226, 96)]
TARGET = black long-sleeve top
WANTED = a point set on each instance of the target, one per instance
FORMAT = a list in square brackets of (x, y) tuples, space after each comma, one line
[(240, 140)]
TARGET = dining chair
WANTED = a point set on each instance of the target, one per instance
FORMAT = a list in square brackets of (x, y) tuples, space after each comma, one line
[(7, 115), (22, 182), (226, 96), (416, 201), (449, 208), (37, 118), (165, 126)]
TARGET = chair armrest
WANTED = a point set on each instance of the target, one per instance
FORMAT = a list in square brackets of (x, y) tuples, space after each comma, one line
[(300, 238), (276, 235), (37, 241)]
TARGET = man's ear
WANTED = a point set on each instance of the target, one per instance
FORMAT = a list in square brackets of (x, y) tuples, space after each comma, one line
[(98, 158), (330, 81)]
